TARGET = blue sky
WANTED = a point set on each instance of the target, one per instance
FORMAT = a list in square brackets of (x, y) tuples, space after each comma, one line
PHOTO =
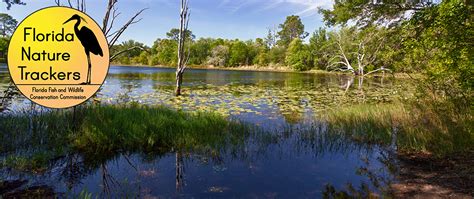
[(242, 19)]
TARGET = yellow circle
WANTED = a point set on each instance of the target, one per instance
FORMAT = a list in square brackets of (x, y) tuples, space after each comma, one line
[(47, 57)]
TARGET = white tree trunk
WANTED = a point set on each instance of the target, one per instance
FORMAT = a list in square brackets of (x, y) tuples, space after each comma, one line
[(182, 58)]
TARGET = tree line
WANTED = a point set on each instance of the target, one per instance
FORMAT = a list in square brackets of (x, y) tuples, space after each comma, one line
[(287, 46)]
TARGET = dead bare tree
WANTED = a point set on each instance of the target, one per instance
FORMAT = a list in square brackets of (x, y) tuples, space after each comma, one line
[(108, 23), (340, 57), (182, 56), (363, 55)]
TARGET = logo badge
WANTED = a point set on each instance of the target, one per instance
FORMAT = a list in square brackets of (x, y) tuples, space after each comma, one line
[(58, 57)]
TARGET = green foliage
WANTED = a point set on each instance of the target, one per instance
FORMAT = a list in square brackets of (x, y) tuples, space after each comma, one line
[(446, 60), (298, 56), (173, 34), (200, 51), (166, 52), (367, 13), (239, 54), (291, 29), (223, 52), (318, 47), (262, 59), (141, 59), (436, 41), (4, 41), (143, 128), (99, 131), (7, 25), (276, 55), (129, 52)]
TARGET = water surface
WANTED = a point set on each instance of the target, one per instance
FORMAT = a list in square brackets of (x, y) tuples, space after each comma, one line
[(299, 161)]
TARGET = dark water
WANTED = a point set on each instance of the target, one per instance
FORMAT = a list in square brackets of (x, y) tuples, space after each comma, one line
[(304, 163)]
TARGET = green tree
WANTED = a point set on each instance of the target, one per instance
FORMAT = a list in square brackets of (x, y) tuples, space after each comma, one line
[(262, 59), (200, 51), (3, 48), (276, 55), (366, 13), (173, 34), (260, 52), (291, 29), (141, 59), (7, 25), (439, 41), (128, 51), (436, 39), (165, 52), (238, 54), (319, 47), (298, 56)]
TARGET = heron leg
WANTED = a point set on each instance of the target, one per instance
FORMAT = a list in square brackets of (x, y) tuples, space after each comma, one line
[(89, 68)]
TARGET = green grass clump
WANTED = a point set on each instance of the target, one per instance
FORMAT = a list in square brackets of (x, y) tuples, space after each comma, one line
[(432, 127), (365, 122), (144, 128), (28, 141)]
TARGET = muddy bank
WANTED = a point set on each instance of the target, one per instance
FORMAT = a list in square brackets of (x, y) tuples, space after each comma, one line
[(424, 176)]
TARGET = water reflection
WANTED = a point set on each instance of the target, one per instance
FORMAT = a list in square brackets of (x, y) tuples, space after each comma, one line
[(297, 162), (289, 154)]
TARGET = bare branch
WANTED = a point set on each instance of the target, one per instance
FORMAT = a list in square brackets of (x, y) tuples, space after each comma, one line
[(119, 32), (124, 51), (114, 16), (380, 69), (105, 22)]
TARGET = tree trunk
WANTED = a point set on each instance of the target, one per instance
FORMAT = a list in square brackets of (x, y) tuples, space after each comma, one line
[(182, 58), (179, 81)]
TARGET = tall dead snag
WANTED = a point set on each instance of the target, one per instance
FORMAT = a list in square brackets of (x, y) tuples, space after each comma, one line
[(182, 57)]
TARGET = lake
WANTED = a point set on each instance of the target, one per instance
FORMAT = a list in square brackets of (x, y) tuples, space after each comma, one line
[(300, 160)]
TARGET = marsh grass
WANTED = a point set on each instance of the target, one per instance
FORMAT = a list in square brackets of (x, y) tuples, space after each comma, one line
[(423, 126), (31, 141), (144, 128), (100, 132)]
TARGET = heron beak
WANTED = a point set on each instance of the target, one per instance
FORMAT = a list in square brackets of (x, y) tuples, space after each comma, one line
[(84, 20), (68, 20)]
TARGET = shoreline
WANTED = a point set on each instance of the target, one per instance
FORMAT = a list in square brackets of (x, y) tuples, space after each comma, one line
[(280, 69)]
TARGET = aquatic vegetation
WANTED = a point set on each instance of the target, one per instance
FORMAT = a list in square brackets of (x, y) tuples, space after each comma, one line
[(414, 126), (224, 122), (293, 96), (30, 141), (144, 128)]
